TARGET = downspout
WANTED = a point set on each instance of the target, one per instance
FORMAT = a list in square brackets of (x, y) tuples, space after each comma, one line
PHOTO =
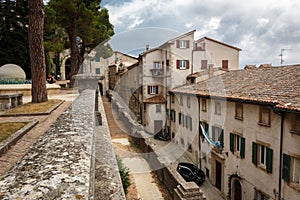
[(282, 114), (199, 139)]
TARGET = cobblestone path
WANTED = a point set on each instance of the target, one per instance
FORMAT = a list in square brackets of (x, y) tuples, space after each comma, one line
[(16, 152)]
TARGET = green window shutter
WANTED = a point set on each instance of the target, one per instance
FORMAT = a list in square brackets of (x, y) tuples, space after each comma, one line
[(186, 122), (206, 128), (269, 160), (221, 137), (231, 142), (242, 152), (174, 116), (179, 118), (183, 120), (254, 153), (286, 162), (213, 134), (191, 123)]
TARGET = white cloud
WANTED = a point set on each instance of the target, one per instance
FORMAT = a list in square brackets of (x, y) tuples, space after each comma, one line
[(260, 28)]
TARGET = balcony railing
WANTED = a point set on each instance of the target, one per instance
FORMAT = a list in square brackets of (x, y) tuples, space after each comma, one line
[(157, 72)]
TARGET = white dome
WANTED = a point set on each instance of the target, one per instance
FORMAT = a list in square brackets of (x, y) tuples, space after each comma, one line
[(12, 72)]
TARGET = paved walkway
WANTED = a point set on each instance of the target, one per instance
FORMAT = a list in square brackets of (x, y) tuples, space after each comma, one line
[(17, 151), (144, 184)]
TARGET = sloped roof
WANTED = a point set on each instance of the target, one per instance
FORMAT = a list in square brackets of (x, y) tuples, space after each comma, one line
[(216, 41), (277, 86), (155, 99)]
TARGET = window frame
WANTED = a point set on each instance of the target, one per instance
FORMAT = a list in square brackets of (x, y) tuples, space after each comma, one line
[(262, 111), (204, 104), (238, 106), (97, 70), (188, 101), (158, 108), (218, 108), (152, 89), (182, 64)]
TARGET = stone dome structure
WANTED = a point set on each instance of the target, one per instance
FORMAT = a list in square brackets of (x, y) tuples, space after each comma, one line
[(11, 73)]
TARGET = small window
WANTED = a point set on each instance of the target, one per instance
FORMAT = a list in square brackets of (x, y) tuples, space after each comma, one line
[(225, 64), (152, 89), (239, 111), (97, 71), (262, 156), (217, 135), (237, 145), (296, 124), (182, 64), (204, 64), (218, 108), (181, 141), (190, 148), (188, 101), (158, 108), (259, 195), (172, 98), (295, 170), (181, 100), (182, 44), (264, 116), (203, 103), (156, 65)]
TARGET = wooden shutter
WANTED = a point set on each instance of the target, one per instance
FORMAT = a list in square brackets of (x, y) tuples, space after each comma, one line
[(156, 89), (206, 128), (186, 121), (148, 89), (269, 160), (179, 118), (178, 64), (225, 64), (191, 123), (187, 64), (221, 137), (254, 153), (242, 151), (286, 165), (174, 116), (178, 43), (231, 142), (187, 44), (213, 132), (203, 64)]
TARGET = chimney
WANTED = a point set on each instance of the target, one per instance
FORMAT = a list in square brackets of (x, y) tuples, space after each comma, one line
[(147, 47), (210, 70)]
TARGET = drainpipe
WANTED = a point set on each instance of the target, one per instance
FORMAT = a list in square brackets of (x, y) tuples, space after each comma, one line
[(282, 114), (199, 139)]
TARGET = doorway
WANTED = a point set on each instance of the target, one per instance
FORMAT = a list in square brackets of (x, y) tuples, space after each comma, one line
[(158, 124), (237, 190), (218, 175)]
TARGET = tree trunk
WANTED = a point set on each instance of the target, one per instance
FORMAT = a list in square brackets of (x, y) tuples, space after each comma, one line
[(74, 49), (36, 48)]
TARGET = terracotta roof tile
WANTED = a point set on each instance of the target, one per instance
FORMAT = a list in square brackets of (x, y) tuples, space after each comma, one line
[(155, 99), (278, 86)]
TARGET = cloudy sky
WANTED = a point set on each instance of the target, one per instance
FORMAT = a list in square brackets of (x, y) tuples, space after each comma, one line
[(261, 28)]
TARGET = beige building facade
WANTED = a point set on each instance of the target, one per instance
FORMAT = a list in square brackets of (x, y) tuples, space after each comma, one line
[(252, 151)]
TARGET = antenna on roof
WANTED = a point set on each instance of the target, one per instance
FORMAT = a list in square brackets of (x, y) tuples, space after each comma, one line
[(281, 55)]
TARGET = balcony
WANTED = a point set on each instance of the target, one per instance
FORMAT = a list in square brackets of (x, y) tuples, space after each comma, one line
[(157, 72)]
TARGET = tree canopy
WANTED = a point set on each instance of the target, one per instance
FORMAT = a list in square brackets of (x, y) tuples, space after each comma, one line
[(14, 34), (86, 24)]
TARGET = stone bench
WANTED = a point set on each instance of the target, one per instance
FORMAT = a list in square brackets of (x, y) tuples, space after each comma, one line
[(10, 100)]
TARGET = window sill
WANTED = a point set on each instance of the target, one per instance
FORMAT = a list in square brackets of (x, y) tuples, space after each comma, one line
[(294, 131), (239, 118), (264, 124), (237, 154), (295, 186)]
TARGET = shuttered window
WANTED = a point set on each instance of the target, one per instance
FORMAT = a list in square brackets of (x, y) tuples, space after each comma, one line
[(153, 89), (191, 124), (237, 144), (225, 64), (182, 64), (286, 162), (262, 156), (179, 118), (183, 44)]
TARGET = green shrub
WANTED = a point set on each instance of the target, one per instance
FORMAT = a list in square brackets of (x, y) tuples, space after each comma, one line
[(124, 173)]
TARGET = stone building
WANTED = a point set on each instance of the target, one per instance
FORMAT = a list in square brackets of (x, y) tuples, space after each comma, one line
[(242, 129)]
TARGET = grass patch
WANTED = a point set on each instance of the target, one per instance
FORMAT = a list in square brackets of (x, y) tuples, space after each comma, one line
[(34, 107), (8, 128)]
